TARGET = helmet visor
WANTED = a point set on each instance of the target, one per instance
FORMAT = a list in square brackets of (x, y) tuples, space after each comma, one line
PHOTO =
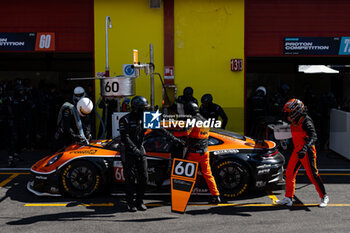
[(79, 95)]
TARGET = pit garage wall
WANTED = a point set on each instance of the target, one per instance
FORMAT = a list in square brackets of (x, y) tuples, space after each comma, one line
[(269, 21), (208, 34), (71, 21), (134, 26)]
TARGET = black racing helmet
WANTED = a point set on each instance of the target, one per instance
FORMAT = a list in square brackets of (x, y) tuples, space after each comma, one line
[(284, 89), (192, 108), (207, 99), (20, 89), (139, 104), (188, 91), (293, 109)]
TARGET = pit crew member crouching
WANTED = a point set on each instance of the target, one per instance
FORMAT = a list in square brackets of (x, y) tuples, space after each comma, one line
[(73, 123)]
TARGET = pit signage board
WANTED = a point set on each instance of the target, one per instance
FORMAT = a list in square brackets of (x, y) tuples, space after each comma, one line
[(236, 64), (27, 41), (117, 86), (316, 46), (183, 179), (169, 72)]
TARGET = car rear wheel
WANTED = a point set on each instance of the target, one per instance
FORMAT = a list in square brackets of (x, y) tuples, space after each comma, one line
[(232, 178), (80, 179)]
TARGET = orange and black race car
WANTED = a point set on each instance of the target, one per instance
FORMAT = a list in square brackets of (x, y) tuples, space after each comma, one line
[(238, 163)]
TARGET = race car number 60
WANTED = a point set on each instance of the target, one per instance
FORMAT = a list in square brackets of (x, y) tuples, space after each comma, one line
[(187, 170), (119, 174)]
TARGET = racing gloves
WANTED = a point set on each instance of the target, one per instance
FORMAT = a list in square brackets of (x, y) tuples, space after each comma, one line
[(139, 153), (176, 140), (180, 142), (301, 154)]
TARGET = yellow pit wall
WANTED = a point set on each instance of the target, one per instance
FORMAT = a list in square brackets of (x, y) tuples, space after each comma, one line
[(134, 26), (208, 34)]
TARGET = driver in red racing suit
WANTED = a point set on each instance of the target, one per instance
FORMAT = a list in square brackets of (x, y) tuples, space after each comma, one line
[(304, 153), (198, 151)]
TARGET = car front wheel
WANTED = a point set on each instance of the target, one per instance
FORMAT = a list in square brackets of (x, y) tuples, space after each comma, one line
[(80, 179)]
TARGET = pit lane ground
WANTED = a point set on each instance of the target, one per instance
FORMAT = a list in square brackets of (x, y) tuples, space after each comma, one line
[(21, 211)]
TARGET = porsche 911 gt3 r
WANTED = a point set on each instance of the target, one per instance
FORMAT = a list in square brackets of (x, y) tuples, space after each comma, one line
[(238, 163)]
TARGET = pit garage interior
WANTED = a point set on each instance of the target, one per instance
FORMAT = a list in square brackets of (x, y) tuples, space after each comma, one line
[(319, 91), (274, 72), (268, 25), (47, 70), (43, 73)]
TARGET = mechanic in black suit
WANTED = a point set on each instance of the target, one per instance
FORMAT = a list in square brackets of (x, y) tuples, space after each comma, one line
[(18, 110), (184, 100), (211, 110), (133, 154)]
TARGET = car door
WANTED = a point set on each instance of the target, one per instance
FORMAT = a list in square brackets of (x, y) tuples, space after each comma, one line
[(158, 149)]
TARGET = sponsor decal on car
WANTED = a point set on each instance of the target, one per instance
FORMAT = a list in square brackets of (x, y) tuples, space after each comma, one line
[(263, 171), (264, 166), (228, 151), (260, 184), (200, 190), (41, 177), (151, 170), (238, 193), (84, 152), (64, 180)]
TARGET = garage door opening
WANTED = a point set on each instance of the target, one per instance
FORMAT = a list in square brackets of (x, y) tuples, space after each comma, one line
[(282, 79), (43, 76)]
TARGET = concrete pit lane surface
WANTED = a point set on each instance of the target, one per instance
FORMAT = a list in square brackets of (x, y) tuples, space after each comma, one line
[(22, 211)]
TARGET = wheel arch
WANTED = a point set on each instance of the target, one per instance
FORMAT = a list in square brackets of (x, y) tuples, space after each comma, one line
[(94, 163), (103, 169)]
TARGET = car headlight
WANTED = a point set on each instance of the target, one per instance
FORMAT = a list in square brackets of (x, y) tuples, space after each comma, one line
[(54, 159)]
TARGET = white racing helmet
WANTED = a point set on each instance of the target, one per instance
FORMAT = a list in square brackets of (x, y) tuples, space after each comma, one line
[(84, 106), (78, 93), (261, 88)]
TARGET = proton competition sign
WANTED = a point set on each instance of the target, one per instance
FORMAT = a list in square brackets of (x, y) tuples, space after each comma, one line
[(27, 41), (316, 46), (152, 120)]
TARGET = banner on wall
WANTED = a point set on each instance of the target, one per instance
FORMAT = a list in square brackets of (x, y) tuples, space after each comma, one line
[(316, 46), (27, 41)]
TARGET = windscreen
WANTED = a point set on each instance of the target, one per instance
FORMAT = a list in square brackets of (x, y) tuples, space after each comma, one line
[(228, 133)]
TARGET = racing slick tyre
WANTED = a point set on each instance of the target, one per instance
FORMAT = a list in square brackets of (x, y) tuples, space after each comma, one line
[(232, 178), (80, 179)]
